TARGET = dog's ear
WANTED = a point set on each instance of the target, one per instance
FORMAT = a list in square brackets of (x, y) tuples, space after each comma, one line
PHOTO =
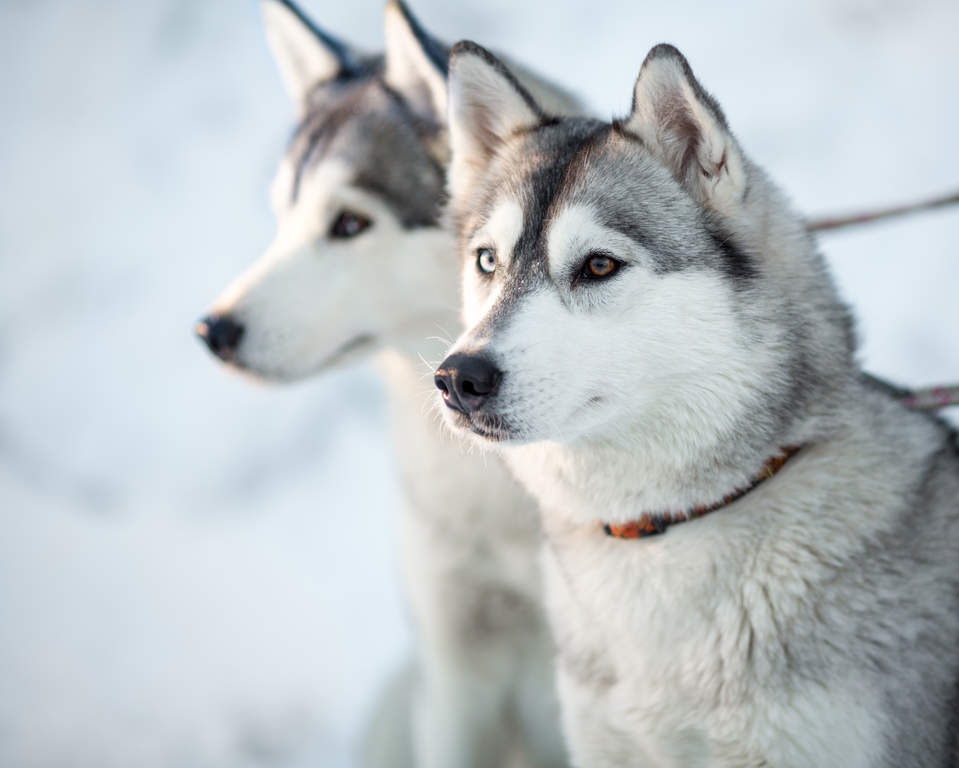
[(685, 127), (305, 54), (486, 106), (416, 62)]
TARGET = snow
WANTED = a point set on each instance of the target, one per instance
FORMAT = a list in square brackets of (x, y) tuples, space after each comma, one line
[(196, 571)]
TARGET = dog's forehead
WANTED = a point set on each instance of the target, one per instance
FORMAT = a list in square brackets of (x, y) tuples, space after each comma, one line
[(584, 165), (629, 191), (367, 126), (525, 181)]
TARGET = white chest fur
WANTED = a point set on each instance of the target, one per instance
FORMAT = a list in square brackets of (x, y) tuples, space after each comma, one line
[(707, 645)]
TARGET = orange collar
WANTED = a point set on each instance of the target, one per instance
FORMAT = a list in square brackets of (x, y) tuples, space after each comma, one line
[(653, 523)]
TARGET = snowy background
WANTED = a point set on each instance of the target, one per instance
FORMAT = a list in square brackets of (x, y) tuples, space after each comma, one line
[(196, 571)]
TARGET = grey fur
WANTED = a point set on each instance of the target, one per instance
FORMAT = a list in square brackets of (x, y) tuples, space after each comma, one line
[(371, 126), (874, 595)]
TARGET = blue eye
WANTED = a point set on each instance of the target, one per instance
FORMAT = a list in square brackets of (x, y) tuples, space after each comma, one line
[(485, 260)]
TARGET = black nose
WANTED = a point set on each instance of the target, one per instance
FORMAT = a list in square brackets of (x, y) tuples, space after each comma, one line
[(222, 335), (466, 381)]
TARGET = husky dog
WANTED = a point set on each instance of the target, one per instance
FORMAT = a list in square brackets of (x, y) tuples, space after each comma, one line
[(655, 345), (360, 265)]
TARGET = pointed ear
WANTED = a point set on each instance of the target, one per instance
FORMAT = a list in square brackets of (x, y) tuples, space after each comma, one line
[(305, 54), (685, 127), (416, 63), (486, 106)]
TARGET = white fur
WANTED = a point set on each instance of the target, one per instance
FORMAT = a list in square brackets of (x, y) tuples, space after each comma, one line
[(484, 695), (679, 641)]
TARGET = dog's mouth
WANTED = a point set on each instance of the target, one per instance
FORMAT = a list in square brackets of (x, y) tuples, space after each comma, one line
[(352, 348), (488, 426), (355, 345)]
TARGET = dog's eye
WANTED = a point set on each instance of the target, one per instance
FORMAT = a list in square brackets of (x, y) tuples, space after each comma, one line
[(598, 266), (485, 260), (349, 224)]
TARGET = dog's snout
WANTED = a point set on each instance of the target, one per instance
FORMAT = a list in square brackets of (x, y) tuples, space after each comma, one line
[(466, 381), (221, 333)]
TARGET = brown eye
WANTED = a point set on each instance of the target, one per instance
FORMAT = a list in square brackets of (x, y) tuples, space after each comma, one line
[(348, 224), (597, 266)]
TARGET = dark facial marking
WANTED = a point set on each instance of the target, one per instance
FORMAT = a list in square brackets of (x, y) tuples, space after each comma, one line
[(400, 169), (545, 188), (642, 201), (735, 262), (562, 146), (331, 105), (392, 161)]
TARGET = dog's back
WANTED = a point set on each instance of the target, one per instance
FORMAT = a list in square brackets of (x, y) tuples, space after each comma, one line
[(891, 612), (909, 578)]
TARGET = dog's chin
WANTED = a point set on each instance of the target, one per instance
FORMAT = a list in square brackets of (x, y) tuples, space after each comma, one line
[(483, 428), (353, 351), (257, 373), (358, 348)]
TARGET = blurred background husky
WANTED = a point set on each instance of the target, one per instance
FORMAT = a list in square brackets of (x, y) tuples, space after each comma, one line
[(361, 264)]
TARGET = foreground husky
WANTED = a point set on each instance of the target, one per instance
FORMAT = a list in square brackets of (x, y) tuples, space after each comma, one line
[(361, 264), (752, 552)]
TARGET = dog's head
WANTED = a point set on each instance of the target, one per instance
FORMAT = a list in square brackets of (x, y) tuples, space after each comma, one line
[(358, 257), (634, 275)]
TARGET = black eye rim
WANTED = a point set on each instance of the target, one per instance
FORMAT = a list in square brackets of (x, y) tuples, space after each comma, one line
[(583, 274), (349, 224), (479, 260)]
